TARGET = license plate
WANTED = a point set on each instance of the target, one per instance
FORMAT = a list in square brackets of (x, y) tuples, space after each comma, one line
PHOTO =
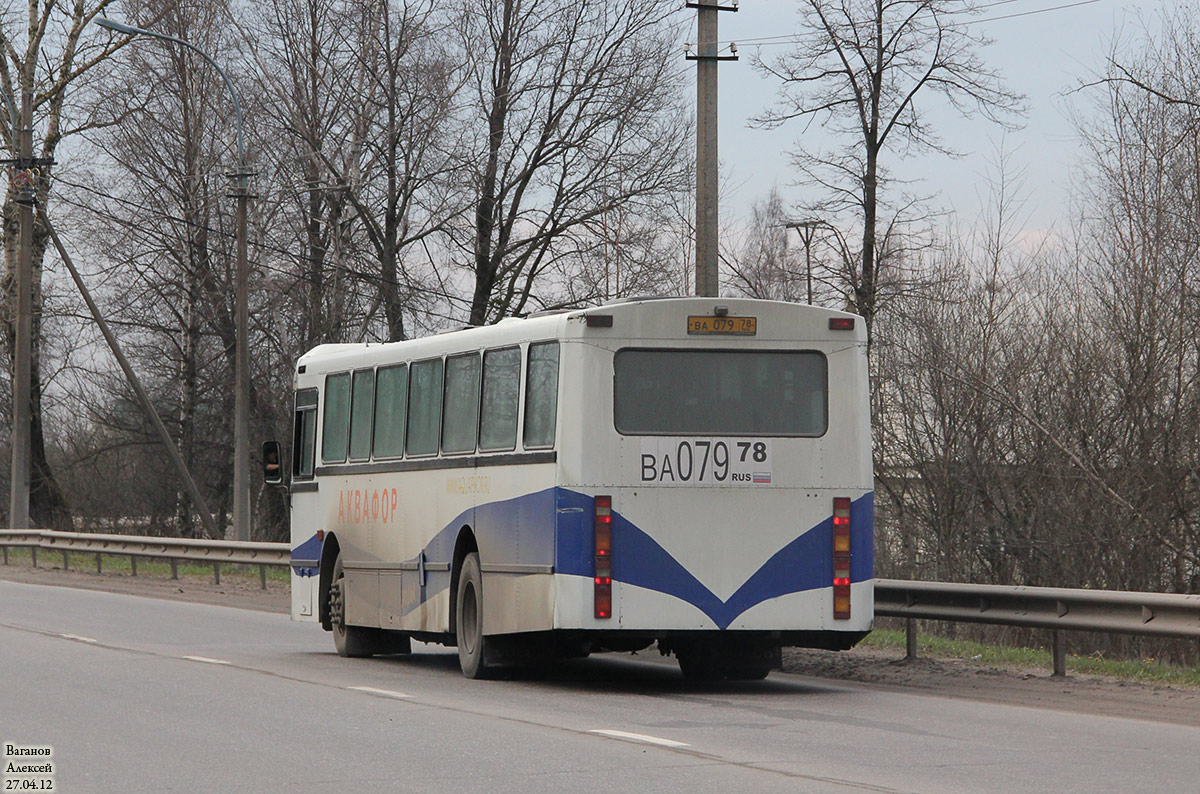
[(738, 462), (744, 326)]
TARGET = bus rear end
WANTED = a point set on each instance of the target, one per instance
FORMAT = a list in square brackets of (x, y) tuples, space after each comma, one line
[(715, 481)]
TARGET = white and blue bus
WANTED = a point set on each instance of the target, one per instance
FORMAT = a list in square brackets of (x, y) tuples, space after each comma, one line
[(691, 472)]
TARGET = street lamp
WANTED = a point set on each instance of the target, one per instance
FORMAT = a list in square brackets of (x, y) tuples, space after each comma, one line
[(807, 230), (241, 412)]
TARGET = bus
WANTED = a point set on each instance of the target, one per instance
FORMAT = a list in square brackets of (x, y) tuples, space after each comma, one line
[(690, 473)]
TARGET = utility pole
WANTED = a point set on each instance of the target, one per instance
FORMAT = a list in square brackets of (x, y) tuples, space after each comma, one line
[(707, 189), (806, 230), (25, 180), (241, 410)]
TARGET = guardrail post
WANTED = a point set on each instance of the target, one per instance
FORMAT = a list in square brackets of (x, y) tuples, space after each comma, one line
[(66, 561), (1060, 654), (910, 638), (174, 568), (216, 573), (99, 563), (33, 551), (133, 564), (6, 555), (262, 576)]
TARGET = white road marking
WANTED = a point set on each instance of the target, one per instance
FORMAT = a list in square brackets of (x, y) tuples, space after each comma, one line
[(206, 660), (641, 737), (387, 693), (77, 638)]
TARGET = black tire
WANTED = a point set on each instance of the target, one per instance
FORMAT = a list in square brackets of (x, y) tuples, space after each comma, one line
[(704, 662), (392, 642), (699, 664), (468, 620), (353, 641), (749, 671)]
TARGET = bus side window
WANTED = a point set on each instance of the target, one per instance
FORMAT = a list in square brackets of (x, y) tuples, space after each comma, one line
[(304, 434), (335, 433), (391, 398), (424, 407), (501, 390), (460, 420), (541, 395), (362, 407)]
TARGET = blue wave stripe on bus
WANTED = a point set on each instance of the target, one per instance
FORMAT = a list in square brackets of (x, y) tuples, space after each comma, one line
[(556, 525), (805, 563)]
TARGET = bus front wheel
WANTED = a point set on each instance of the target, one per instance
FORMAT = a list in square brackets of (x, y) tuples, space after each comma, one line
[(472, 644)]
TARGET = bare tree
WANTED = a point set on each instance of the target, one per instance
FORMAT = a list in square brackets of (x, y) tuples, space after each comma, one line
[(302, 61), (564, 98), (166, 229), (368, 103), (762, 264), (865, 68), (48, 54)]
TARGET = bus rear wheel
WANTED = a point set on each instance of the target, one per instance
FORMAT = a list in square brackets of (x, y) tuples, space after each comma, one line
[(353, 641), (722, 662), (468, 621)]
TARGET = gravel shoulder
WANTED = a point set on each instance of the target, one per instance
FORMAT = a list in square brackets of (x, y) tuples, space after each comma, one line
[(1013, 686), (881, 668)]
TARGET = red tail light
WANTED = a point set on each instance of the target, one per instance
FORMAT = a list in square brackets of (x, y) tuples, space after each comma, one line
[(841, 558), (602, 530)]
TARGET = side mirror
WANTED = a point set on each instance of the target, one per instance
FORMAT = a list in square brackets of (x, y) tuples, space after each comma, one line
[(272, 463)]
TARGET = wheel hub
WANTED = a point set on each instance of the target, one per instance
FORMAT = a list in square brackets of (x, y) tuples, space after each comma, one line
[(337, 607)]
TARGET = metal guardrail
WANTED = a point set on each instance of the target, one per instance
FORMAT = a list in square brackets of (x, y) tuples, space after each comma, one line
[(216, 552), (1147, 614), (1055, 608)]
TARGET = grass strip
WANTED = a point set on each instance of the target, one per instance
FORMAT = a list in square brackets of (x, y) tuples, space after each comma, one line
[(119, 564), (976, 653)]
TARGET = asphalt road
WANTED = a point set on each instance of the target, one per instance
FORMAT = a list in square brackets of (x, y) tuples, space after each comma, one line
[(138, 694)]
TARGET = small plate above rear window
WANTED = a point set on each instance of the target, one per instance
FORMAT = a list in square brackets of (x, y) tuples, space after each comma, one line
[(737, 326)]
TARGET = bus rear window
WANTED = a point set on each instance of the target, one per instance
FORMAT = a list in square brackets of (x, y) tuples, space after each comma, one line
[(720, 393)]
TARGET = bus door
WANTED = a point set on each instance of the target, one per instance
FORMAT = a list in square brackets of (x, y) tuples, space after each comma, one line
[(305, 508)]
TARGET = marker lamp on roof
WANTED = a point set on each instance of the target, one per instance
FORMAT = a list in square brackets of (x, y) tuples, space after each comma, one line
[(841, 323)]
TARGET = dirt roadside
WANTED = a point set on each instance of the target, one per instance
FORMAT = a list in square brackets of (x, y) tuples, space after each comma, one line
[(1012, 686), (939, 677)]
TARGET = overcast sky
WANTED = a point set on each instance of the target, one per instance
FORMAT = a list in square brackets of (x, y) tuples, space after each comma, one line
[(1041, 55)]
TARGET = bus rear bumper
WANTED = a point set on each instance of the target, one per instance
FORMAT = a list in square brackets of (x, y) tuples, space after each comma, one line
[(638, 609)]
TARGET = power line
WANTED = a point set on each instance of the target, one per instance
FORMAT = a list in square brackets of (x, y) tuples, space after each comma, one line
[(792, 38), (1039, 11)]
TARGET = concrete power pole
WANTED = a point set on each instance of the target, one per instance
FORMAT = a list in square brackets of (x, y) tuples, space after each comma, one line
[(22, 398), (706, 58), (241, 415)]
